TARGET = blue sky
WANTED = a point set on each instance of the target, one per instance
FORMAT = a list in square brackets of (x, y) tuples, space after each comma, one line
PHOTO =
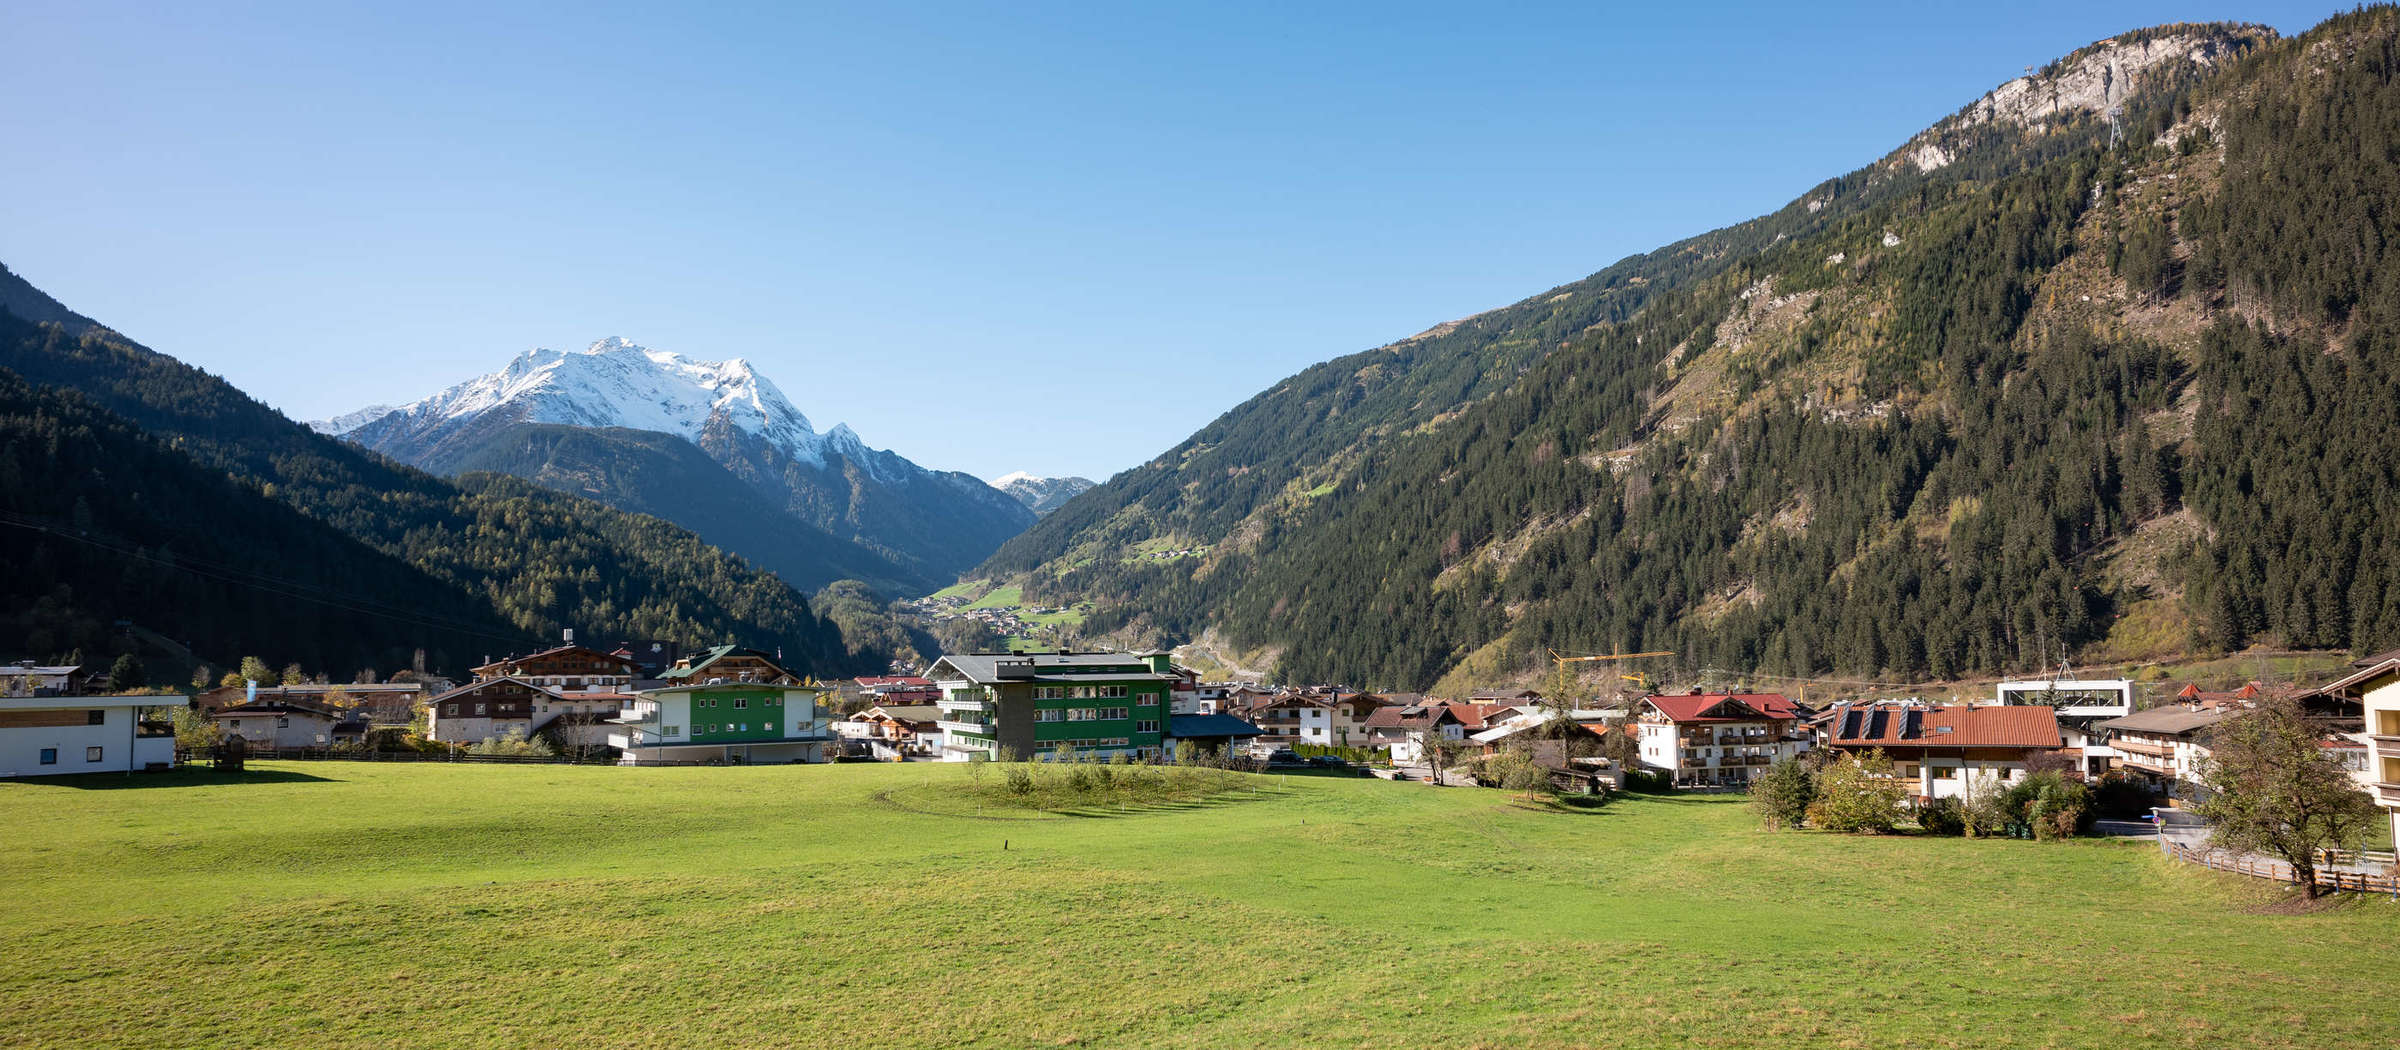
[(991, 237)]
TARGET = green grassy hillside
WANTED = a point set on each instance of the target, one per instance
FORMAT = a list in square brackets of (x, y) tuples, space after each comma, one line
[(811, 906)]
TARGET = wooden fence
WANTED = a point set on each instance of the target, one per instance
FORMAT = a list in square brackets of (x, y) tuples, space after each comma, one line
[(186, 756), (2263, 868)]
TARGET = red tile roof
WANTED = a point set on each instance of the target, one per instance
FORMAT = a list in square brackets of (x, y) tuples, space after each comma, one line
[(2029, 726), (1713, 707)]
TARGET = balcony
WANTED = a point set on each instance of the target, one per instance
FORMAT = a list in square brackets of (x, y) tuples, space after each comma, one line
[(2386, 746), (953, 725), (2388, 795), (2136, 747)]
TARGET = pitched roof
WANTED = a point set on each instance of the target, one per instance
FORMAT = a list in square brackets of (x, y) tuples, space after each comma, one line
[(478, 686), (906, 712), (1986, 725), (556, 650), (716, 653), (1071, 667), (2173, 720), (897, 681), (1414, 716), (1723, 707), (277, 707)]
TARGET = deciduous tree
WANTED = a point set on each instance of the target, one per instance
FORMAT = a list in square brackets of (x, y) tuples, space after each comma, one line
[(2274, 790)]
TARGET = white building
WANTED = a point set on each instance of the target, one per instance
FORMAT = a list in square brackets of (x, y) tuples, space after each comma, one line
[(1944, 752), (2376, 683), (729, 723), (2166, 745), (49, 735), (1717, 739), (277, 724)]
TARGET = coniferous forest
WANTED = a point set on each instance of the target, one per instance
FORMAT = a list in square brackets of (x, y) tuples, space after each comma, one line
[(2070, 396), (320, 552)]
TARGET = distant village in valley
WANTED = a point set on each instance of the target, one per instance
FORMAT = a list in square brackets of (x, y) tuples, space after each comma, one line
[(2141, 750)]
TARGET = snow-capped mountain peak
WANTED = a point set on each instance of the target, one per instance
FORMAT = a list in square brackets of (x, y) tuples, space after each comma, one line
[(1040, 494), (349, 421), (618, 383)]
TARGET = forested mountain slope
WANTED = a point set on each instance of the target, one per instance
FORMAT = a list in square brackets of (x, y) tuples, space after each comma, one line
[(665, 476), (2029, 388), (521, 554), (103, 522)]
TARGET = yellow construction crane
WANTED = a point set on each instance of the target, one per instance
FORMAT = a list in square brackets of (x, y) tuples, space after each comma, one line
[(1563, 659), (1642, 679)]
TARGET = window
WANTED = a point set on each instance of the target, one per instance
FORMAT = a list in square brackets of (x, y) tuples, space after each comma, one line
[(95, 718), (741, 703), (283, 721), (91, 754), (49, 756), (1050, 715), (1082, 692), (1945, 773), (708, 702), (1112, 712), (1049, 692), (1111, 692), (1146, 700), (451, 710), (670, 731), (1145, 727), (479, 709)]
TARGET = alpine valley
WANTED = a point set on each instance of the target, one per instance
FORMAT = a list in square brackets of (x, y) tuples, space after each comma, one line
[(712, 446), (150, 505), (2104, 367)]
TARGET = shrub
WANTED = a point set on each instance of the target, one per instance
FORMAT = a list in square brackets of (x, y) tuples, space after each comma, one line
[(1020, 779), (1942, 816), (1648, 782), (2048, 805), (1857, 794), (1781, 797)]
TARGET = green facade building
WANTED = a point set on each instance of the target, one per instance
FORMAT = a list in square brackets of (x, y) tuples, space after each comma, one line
[(1029, 704), (726, 705)]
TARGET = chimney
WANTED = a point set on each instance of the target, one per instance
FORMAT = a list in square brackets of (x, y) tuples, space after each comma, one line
[(569, 635)]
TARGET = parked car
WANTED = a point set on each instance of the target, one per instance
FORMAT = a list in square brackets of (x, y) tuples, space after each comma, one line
[(1284, 756), (1328, 762)]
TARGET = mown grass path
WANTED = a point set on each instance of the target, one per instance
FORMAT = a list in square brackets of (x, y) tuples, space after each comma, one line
[(337, 904)]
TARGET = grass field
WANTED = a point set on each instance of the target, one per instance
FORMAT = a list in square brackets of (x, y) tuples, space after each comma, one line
[(337, 904)]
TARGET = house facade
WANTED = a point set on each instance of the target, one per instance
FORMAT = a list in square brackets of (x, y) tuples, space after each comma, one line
[(1027, 704), (484, 710), (280, 724), (1402, 729), (1945, 751), (2166, 746), (565, 669), (896, 731), (51, 735), (2375, 682), (728, 723), (1717, 739)]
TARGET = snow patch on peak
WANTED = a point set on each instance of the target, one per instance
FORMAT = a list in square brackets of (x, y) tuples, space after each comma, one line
[(616, 382), (1014, 476), (349, 421)]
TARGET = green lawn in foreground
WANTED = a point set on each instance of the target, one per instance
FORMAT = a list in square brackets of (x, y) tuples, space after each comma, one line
[(340, 904)]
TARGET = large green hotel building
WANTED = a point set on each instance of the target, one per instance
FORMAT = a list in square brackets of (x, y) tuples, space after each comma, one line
[(1028, 704)]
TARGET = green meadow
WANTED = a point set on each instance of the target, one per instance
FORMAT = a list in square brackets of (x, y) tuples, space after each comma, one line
[(337, 904)]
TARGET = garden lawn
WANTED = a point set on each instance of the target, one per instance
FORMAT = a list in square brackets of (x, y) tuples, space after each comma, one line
[(337, 904)]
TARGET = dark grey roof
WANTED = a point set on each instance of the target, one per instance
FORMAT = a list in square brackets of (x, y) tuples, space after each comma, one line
[(1209, 725), (2170, 721), (984, 667)]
